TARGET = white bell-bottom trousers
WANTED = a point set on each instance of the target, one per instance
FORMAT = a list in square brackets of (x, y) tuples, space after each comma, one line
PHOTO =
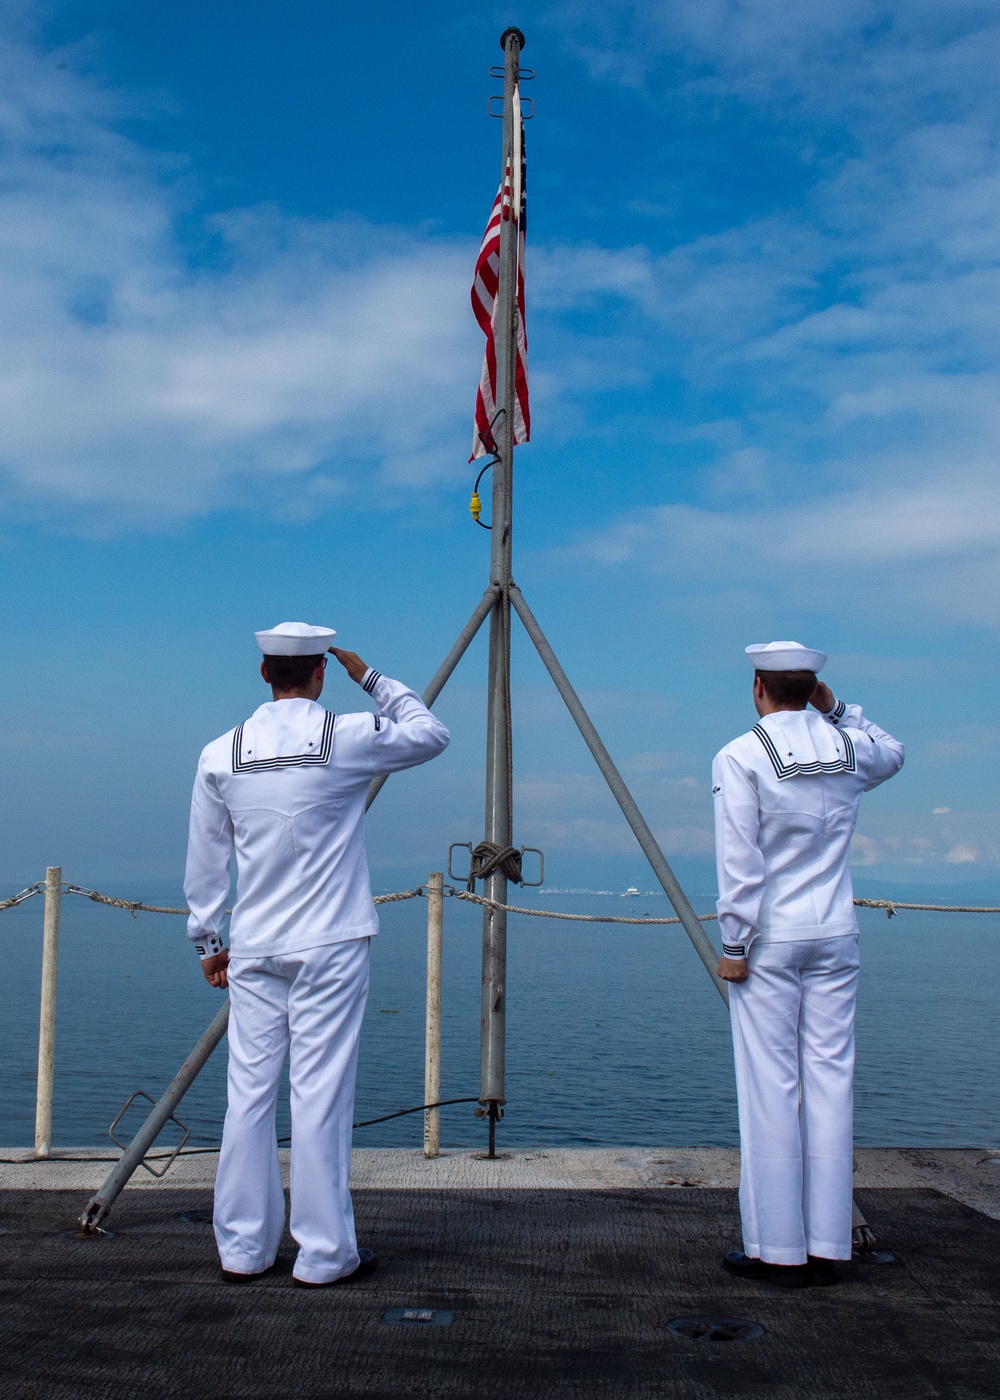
[(793, 1025), (308, 1006)]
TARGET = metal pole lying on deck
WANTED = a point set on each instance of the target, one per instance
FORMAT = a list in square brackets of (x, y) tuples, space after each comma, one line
[(99, 1205), (432, 1041), (47, 1015), (651, 849)]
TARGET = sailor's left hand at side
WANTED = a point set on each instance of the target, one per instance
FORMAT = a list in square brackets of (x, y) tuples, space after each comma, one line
[(351, 663), (733, 969), (215, 969)]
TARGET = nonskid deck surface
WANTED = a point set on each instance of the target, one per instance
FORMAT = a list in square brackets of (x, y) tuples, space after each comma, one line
[(554, 1292), (969, 1175)]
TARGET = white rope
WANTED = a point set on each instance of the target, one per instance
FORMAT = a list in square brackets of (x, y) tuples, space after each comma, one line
[(555, 914), (402, 894), (134, 906), (891, 905)]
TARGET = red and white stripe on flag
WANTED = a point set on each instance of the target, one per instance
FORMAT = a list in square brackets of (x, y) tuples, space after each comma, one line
[(510, 203)]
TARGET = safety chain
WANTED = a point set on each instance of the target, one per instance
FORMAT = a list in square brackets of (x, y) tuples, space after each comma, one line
[(34, 889)]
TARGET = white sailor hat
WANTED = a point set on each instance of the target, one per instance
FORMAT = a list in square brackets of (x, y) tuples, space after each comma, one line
[(785, 656), (295, 639)]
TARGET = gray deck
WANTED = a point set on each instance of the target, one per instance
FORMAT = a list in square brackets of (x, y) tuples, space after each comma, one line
[(556, 1291)]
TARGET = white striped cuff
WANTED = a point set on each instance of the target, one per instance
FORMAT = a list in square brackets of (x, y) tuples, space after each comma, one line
[(370, 680), (208, 945), (734, 950)]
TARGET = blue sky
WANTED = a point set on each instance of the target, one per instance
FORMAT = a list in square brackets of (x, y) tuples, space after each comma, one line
[(237, 370)]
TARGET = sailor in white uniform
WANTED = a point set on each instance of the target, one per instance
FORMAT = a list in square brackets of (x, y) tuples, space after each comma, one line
[(786, 804), (286, 790)]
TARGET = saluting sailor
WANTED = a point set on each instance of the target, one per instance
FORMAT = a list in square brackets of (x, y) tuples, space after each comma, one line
[(786, 804), (286, 790)]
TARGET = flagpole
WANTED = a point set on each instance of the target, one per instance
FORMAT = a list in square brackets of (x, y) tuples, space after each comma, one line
[(492, 1089)]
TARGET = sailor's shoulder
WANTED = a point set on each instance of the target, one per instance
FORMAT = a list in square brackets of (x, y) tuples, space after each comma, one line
[(862, 741), (744, 749), (216, 752), (356, 720), (357, 726)]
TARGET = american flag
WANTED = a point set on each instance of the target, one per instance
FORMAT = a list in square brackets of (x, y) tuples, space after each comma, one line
[(510, 203)]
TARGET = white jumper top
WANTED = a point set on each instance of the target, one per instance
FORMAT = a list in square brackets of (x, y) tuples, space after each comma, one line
[(786, 804), (287, 790)]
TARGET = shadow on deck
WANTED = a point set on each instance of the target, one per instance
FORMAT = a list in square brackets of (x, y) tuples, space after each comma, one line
[(554, 1293)]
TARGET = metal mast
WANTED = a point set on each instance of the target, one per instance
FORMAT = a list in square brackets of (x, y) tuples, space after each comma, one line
[(492, 1092)]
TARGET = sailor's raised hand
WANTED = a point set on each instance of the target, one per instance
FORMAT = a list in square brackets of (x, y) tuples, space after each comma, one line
[(822, 698), (351, 663)]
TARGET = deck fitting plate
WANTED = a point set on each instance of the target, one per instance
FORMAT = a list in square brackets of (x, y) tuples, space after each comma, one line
[(715, 1329), (418, 1317), (873, 1256)]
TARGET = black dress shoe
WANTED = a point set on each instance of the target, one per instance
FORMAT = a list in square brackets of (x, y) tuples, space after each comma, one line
[(781, 1275), (368, 1265), (231, 1275), (825, 1272)]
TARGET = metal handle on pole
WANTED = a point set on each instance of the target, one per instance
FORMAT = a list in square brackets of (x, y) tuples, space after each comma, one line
[(47, 1017), (432, 1044)]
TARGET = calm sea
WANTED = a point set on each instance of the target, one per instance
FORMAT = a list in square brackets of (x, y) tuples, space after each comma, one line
[(614, 1035)]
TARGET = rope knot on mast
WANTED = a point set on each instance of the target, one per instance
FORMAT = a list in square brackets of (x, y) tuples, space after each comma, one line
[(487, 857)]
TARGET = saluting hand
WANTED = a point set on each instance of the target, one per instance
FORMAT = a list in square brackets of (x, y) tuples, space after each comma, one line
[(215, 969), (351, 663), (822, 698)]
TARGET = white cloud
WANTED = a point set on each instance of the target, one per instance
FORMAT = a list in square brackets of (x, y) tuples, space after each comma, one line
[(290, 360), (926, 843), (653, 761), (852, 333), (961, 854), (845, 56), (151, 379), (570, 812)]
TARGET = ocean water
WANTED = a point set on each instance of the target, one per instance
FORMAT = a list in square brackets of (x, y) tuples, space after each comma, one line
[(615, 1034)]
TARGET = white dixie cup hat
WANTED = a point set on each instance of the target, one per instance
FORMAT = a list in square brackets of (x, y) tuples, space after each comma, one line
[(295, 639), (785, 656)]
